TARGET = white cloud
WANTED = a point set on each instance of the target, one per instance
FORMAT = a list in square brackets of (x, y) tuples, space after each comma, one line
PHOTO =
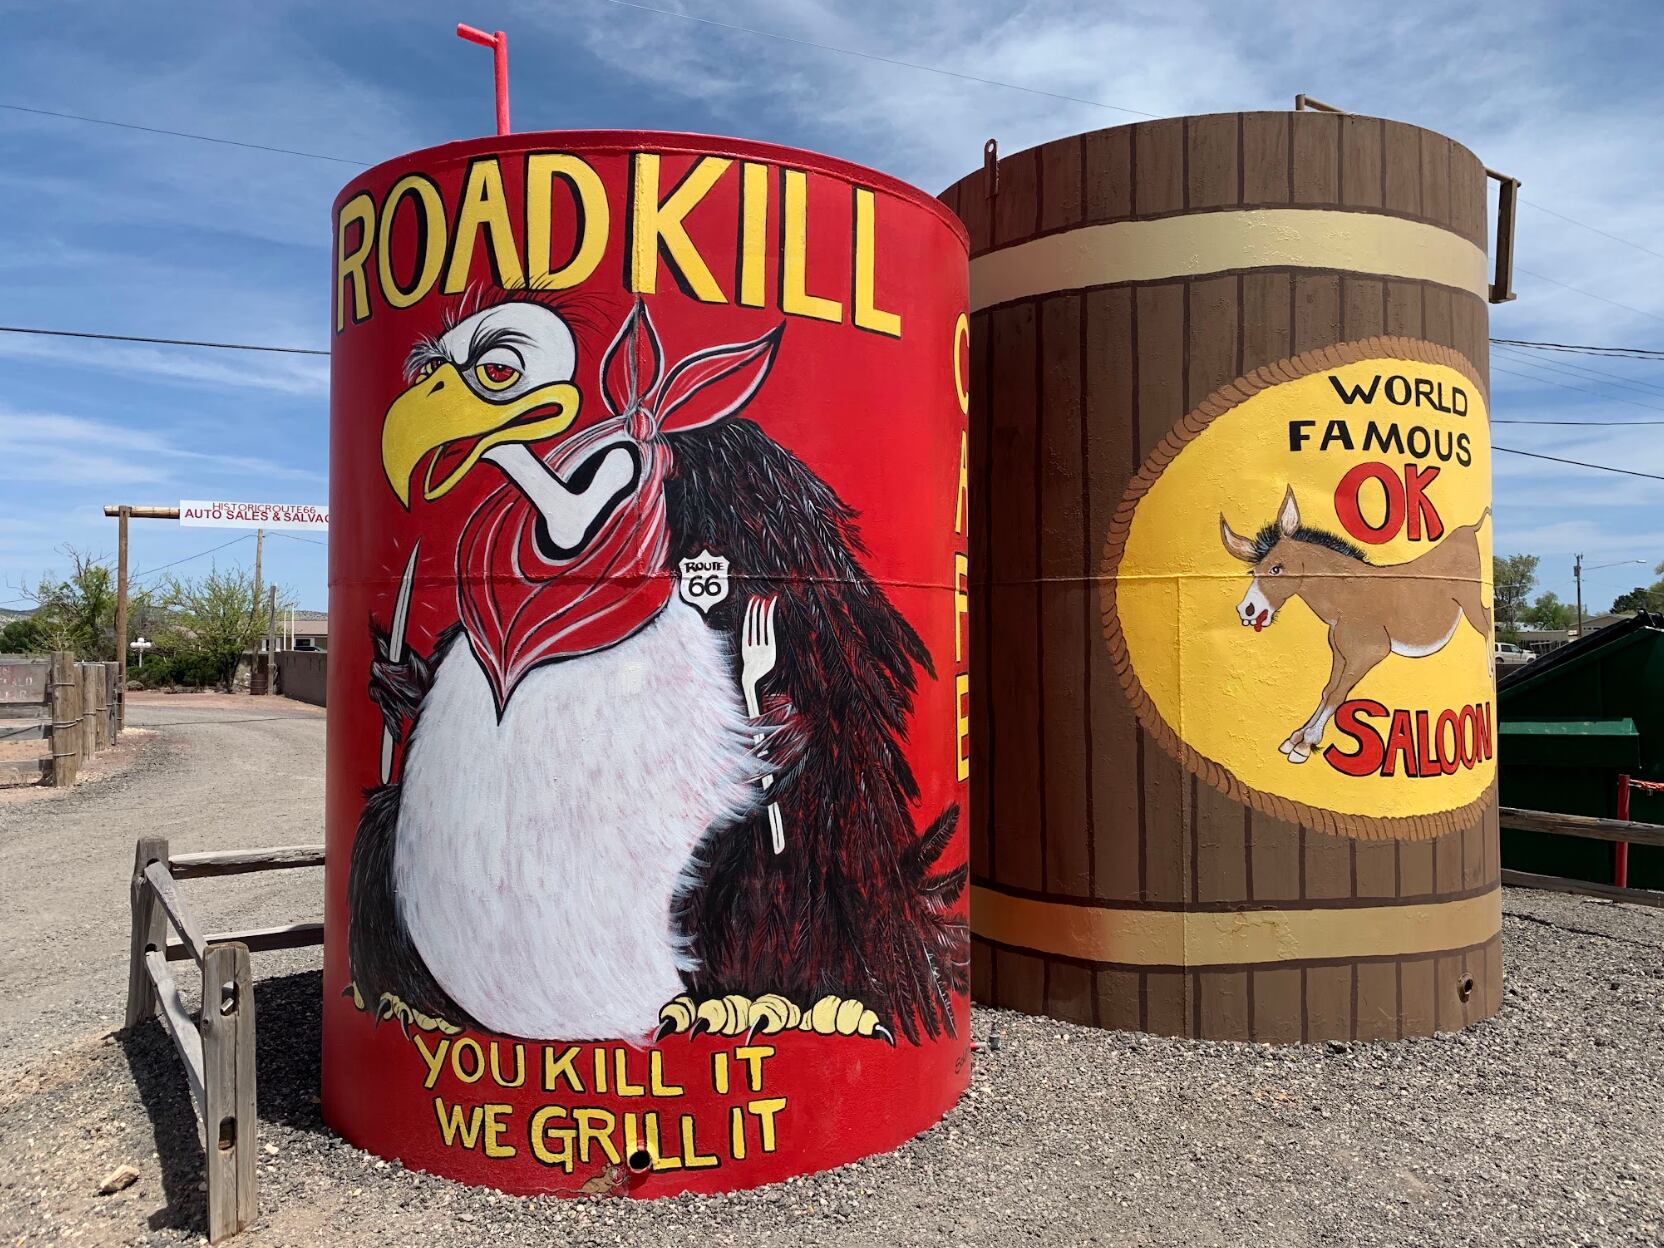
[(72, 451)]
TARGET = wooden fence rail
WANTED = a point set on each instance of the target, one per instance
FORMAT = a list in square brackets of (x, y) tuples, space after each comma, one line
[(1623, 831), (71, 706), (216, 1044)]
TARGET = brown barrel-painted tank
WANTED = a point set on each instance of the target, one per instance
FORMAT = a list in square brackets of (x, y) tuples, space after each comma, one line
[(1166, 320)]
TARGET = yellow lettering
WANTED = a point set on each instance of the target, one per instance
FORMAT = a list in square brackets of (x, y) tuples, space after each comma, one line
[(749, 289), (655, 1076), (794, 259), (961, 603), (866, 315), (471, 1045), (494, 1128), (962, 721), (753, 1056), (650, 1125), (621, 1080), (590, 216), (484, 207), (765, 1111), (562, 1069), (600, 1070), (656, 227), (433, 1061), (692, 1158), (360, 209), (542, 1134), (964, 493), (430, 240), (961, 350), (719, 1072), (595, 1127), (452, 1127), (736, 1132), (519, 1067)]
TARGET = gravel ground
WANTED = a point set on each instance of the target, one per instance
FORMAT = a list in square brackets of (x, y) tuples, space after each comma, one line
[(1542, 1126)]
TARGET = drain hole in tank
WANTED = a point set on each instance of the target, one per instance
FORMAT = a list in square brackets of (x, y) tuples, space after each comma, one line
[(640, 1161), (1464, 987)]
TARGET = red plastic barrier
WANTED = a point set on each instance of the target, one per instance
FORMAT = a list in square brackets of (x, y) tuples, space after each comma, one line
[(647, 739)]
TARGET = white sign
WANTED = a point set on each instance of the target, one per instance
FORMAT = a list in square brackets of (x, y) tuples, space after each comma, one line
[(704, 580), (222, 515)]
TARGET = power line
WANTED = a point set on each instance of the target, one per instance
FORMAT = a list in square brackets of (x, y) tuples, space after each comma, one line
[(1549, 381), (181, 134), (312, 541), (1589, 294), (1639, 353), (1578, 463), (152, 571), (1580, 373), (165, 342), (1531, 203), (873, 56), (1584, 424)]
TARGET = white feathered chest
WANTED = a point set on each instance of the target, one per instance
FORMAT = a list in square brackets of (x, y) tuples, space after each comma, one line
[(538, 858)]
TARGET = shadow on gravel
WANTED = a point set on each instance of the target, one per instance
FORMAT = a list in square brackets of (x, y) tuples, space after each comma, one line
[(287, 1015)]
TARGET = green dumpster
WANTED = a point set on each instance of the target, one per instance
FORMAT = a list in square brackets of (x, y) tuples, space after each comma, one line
[(1568, 726)]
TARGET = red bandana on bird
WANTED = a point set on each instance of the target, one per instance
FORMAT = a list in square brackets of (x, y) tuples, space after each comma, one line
[(522, 601)]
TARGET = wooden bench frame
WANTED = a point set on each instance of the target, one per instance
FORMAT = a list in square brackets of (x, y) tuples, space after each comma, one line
[(216, 1044), (1621, 831)]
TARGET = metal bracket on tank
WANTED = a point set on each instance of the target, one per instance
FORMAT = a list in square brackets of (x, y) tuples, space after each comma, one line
[(1507, 202), (991, 167)]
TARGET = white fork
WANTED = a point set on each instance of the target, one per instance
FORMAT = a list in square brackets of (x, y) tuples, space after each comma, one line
[(757, 661)]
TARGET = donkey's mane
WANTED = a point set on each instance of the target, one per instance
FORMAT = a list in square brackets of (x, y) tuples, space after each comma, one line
[(1272, 533)]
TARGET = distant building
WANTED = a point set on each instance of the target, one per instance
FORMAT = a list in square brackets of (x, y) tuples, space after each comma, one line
[(310, 630), (1547, 640)]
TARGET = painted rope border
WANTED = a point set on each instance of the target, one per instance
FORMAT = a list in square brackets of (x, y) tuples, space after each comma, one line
[(1222, 400)]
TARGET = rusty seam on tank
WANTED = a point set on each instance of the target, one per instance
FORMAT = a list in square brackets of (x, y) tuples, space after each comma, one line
[(1335, 823)]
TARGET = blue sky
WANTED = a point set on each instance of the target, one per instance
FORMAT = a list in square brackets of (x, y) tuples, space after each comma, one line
[(116, 231)]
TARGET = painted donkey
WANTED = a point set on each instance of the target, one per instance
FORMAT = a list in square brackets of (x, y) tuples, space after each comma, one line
[(1372, 610)]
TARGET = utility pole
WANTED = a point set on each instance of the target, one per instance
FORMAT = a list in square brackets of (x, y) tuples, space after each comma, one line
[(1577, 573), (259, 549), (125, 512)]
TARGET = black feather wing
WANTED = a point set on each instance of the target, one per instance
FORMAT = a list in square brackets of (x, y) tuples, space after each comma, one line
[(856, 905)]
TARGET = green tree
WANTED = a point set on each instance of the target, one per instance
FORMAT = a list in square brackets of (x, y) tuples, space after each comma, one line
[(1513, 577), (1549, 612), (214, 620), (21, 636), (1643, 597), (78, 612)]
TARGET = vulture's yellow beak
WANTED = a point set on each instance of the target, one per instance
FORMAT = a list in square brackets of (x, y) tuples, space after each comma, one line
[(441, 412)]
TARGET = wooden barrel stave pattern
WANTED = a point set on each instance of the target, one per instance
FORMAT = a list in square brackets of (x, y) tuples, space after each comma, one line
[(1071, 391)]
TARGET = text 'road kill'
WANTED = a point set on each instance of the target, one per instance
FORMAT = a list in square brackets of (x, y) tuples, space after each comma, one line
[(566, 1136)]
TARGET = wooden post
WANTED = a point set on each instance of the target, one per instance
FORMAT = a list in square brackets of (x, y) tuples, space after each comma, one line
[(112, 693), (150, 930), (66, 720), (98, 690), (126, 513), (89, 711), (228, 1084)]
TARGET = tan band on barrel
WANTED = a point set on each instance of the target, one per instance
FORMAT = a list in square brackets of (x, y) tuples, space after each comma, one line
[(1136, 937), (1219, 242)]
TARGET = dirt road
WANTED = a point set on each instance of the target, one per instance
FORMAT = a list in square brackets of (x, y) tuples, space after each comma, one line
[(219, 771), (1542, 1126)]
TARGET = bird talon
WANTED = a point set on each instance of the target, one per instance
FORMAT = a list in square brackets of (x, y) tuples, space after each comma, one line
[(741, 1017)]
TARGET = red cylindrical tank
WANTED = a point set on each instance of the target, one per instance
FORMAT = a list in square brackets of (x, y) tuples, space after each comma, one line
[(647, 696)]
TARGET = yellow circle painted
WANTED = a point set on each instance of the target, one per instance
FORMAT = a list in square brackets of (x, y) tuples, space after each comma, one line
[(1268, 628)]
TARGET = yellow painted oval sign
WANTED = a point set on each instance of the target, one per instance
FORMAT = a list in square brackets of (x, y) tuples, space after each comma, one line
[(1297, 590)]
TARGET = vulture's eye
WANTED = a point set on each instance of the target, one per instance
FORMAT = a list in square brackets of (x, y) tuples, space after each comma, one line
[(495, 376)]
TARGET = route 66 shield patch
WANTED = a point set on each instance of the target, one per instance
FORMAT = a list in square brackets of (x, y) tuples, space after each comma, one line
[(704, 580)]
